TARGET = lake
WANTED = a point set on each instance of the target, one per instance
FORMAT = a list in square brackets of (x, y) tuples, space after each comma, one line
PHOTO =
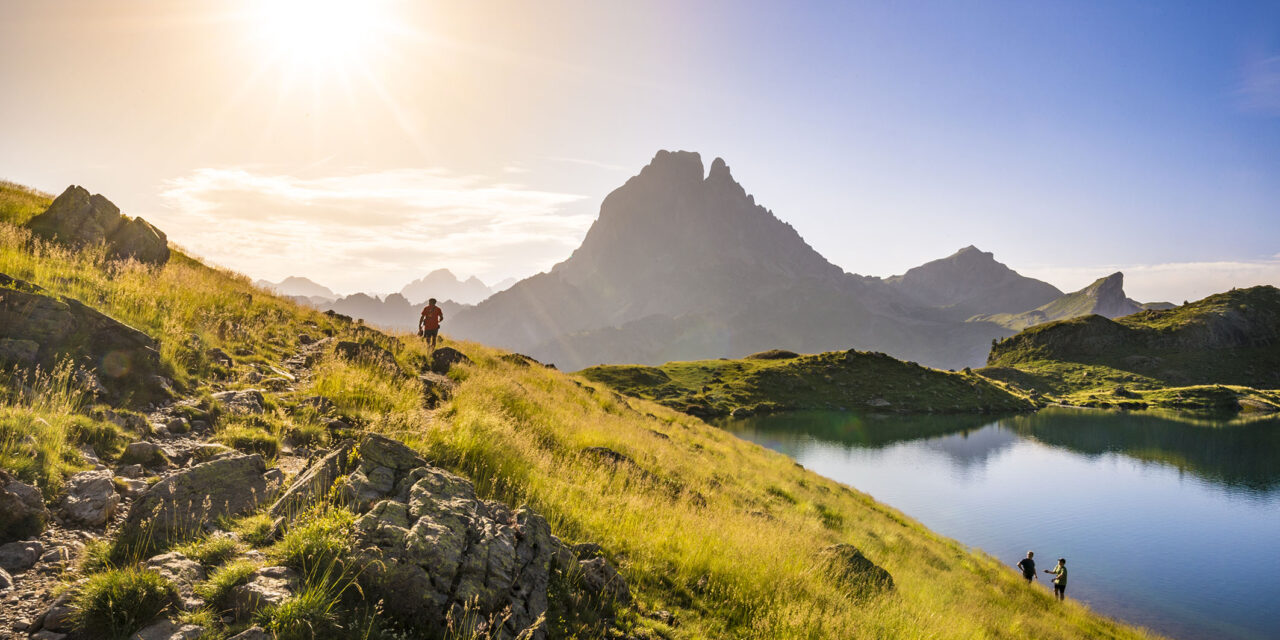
[(1166, 523)]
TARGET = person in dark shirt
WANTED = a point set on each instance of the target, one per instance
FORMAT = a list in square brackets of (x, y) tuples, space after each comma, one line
[(429, 323), (1028, 566)]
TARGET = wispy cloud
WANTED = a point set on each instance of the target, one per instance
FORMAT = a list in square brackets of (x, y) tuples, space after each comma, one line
[(369, 231), (589, 163), (1259, 90), (1170, 281)]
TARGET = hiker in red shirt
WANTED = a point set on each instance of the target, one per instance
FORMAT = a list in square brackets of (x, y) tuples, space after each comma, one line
[(429, 323)]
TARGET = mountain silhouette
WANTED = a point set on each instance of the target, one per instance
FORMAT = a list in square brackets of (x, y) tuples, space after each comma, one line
[(970, 282), (441, 284), (1105, 297)]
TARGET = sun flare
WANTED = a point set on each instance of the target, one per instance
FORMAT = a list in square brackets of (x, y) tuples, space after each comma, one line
[(320, 33)]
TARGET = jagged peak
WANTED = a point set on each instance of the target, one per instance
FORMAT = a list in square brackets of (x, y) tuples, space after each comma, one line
[(719, 170), (679, 164)]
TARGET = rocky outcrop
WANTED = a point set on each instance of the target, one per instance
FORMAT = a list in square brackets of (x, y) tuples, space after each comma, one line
[(267, 587), (22, 511), (314, 483), (242, 402), (859, 576), (90, 499), (123, 360), (183, 503), (443, 359), (76, 218), (180, 570)]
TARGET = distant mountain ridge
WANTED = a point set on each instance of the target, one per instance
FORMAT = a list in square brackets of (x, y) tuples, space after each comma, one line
[(971, 282), (1105, 297)]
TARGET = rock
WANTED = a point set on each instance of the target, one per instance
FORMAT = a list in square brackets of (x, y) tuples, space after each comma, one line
[(601, 579), (862, 577), (436, 388), (130, 471), (182, 571), (444, 358), (75, 218), (144, 453), (241, 402), (608, 455), (433, 547), (366, 352), (320, 403), (276, 383), (131, 488), (90, 498), (266, 587), (313, 483), (219, 357), (381, 451), (253, 633), (62, 553), (168, 630), (19, 351), (45, 634), (59, 616), (211, 450), (6, 580), (20, 556), (22, 511), (124, 358), (184, 502), (178, 425)]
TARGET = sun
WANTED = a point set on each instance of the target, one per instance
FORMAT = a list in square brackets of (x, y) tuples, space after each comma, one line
[(320, 33)]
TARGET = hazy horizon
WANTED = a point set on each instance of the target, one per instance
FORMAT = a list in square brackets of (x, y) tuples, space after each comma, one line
[(364, 144)]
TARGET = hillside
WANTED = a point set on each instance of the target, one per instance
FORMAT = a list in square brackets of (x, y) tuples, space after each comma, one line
[(1222, 352), (710, 536), (1105, 297), (782, 381)]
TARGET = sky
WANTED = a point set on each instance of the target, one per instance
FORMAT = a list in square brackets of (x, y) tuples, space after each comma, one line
[(364, 143)]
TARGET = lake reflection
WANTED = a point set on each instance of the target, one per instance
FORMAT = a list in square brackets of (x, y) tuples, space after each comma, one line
[(1166, 523)]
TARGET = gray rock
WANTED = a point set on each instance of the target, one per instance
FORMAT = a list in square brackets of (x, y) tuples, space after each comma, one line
[(182, 571), (436, 388), (242, 402), (853, 571), (434, 546), (220, 357), (6, 580), (20, 556), (144, 453), (266, 587), (130, 471), (59, 616), (90, 498), (210, 450), (22, 511), (168, 630), (125, 358), (17, 350), (313, 483), (444, 358), (381, 451), (45, 634), (62, 553), (183, 503), (75, 218), (600, 578), (253, 633), (132, 488)]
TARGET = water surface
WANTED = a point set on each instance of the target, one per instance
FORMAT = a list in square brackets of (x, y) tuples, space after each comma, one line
[(1169, 524)]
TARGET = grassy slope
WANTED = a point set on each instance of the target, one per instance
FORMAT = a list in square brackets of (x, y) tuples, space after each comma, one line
[(722, 532), (1153, 359), (843, 379)]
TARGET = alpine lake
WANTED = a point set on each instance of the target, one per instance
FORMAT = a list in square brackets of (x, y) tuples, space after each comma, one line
[(1167, 522)]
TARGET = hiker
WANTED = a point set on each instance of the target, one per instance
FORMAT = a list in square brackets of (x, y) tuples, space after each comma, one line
[(1028, 566), (429, 323), (1060, 579)]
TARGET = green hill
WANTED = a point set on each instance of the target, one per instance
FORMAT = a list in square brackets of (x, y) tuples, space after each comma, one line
[(782, 381), (1221, 353), (714, 536)]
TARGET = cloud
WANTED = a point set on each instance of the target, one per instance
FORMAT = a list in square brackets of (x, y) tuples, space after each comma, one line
[(371, 231), (1259, 91), (1170, 281)]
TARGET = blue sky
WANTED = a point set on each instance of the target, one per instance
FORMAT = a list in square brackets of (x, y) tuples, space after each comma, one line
[(1070, 139)]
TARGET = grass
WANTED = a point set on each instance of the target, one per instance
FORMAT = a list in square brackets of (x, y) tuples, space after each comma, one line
[(210, 551), (836, 380), (117, 602), (724, 534)]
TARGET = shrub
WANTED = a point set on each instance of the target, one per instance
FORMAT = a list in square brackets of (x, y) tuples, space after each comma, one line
[(117, 602), (255, 530), (320, 539), (210, 551), (250, 440), (225, 578)]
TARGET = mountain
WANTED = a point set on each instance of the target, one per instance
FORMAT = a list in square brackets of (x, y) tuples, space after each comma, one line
[(1105, 297), (296, 286), (394, 312), (1174, 357), (441, 284), (971, 282), (682, 264)]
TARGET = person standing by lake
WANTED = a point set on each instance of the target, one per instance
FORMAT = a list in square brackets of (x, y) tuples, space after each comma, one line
[(1028, 566), (1060, 579), (429, 323)]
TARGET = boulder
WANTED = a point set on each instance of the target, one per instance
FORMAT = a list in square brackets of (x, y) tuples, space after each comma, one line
[(182, 571), (313, 483), (852, 570), (267, 587), (601, 579), (6, 580), (444, 358), (381, 451), (183, 503), (76, 218), (20, 556), (90, 499), (241, 402), (436, 388), (167, 629), (144, 453), (22, 511), (431, 548), (59, 617), (123, 359)]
